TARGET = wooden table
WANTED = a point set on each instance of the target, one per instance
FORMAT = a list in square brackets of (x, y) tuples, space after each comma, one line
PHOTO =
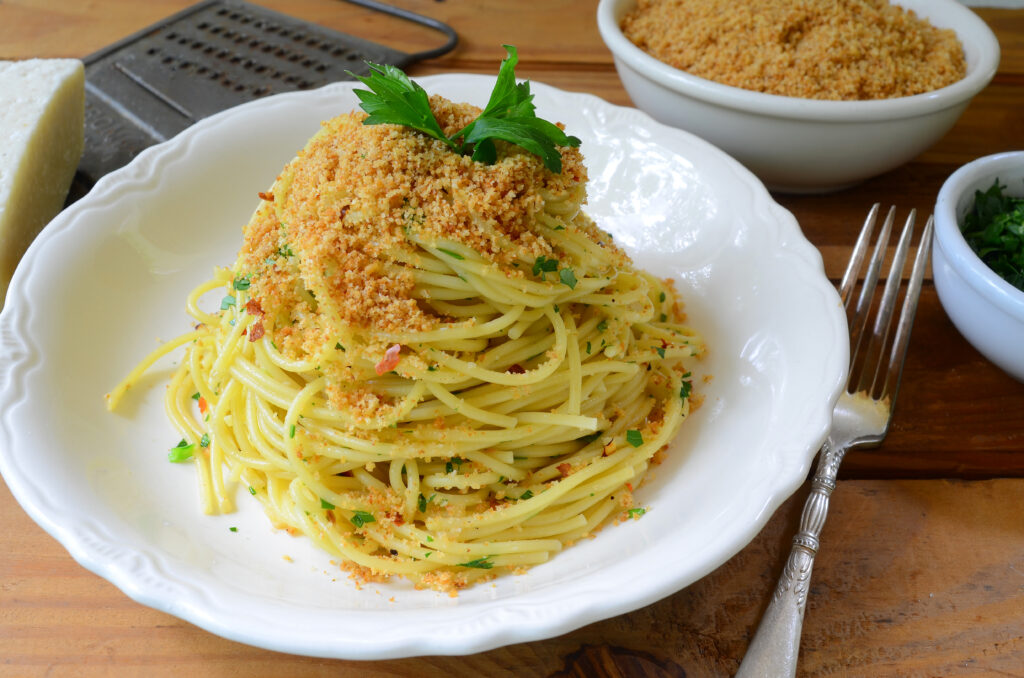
[(922, 568)]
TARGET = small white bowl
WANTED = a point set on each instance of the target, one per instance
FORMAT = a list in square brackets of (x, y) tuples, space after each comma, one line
[(803, 145), (987, 310)]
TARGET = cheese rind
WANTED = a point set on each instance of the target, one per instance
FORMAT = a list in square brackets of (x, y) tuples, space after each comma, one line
[(42, 123)]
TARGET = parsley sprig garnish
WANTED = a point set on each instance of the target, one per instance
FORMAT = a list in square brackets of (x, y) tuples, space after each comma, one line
[(510, 114)]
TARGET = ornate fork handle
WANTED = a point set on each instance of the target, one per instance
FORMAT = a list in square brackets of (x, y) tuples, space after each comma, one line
[(774, 650)]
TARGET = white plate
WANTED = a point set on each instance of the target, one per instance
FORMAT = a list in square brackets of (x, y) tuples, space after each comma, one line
[(107, 280)]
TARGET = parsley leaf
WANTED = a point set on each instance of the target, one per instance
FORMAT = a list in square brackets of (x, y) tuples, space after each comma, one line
[(634, 437), (324, 504), (567, 277), (509, 115), (480, 563), (394, 98)]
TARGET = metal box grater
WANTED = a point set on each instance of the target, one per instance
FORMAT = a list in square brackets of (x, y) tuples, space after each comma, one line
[(209, 57)]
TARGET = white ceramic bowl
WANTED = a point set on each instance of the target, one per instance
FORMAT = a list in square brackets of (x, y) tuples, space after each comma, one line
[(987, 310), (803, 145)]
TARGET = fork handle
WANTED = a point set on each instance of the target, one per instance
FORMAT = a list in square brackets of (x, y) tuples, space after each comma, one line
[(776, 645)]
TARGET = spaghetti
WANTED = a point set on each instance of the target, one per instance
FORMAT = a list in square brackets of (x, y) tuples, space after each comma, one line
[(429, 366)]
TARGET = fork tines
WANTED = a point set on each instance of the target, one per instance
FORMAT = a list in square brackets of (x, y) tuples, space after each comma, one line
[(867, 351)]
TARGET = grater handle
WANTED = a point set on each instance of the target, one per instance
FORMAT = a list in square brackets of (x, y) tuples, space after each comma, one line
[(453, 37)]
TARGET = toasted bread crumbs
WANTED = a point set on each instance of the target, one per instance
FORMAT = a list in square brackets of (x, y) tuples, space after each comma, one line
[(812, 49)]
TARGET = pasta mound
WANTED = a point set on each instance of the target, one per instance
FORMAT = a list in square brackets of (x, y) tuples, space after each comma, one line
[(431, 367)]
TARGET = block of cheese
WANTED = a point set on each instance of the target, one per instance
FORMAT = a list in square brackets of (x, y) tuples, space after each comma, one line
[(42, 123)]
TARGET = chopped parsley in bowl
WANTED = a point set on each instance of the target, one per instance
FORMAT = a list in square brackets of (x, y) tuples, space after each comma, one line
[(979, 254)]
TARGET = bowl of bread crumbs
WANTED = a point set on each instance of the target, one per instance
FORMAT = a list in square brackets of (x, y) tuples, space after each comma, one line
[(811, 95)]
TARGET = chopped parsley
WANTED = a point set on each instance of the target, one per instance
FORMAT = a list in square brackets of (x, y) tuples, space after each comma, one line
[(227, 302), (252, 490), (181, 452), (636, 512), (994, 228), (660, 351), (454, 255), (360, 518), (634, 437), (241, 283), (602, 326), (567, 277), (544, 265), (324, 504), (526, 495), (686, 388), (205, 440), (233, 529), (480, 563)]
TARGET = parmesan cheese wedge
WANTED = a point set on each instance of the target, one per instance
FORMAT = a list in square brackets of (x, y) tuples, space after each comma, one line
[(42, 125)]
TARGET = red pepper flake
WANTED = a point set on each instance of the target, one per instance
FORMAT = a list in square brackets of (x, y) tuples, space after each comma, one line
[(203, 405), (664, 344), (390, 360), (629, 486), (609, 448), (564, 468), (395, 518), (269, 197), (256, 330), (330, 516), (516, 368)]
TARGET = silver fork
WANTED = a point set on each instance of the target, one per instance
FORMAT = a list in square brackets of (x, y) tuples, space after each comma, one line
[(861, 418)]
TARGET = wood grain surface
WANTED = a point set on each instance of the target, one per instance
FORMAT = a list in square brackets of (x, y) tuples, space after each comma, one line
[(922, 567)]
